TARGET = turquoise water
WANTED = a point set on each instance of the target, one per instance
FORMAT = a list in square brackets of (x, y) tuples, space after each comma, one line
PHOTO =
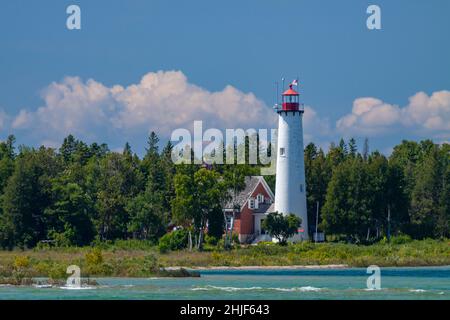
[(396, 283)]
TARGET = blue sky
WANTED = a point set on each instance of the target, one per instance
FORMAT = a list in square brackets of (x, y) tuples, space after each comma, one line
[(387, 85)]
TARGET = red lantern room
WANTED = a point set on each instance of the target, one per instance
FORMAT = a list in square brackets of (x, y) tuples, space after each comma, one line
[(291, 100)]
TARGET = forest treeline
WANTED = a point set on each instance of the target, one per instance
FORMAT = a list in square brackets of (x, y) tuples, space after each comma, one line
[(80, 193)]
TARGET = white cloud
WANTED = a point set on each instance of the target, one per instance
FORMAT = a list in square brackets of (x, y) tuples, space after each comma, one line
[(22, 120), (430, 112), (423, 114), (315, 127), (166, 100), (161, 101)]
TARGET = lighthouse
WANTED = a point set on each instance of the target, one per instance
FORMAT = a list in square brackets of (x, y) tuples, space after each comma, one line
[(290, 188)]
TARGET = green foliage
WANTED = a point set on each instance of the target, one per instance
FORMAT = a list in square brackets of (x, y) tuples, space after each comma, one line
[(349, 200), (175, 240), (69, 215), (370, 196), (280, 226), (211, 240), (83, 194), (401, 239), (199, 197), (26, 196), (146, 216), (94, 257)]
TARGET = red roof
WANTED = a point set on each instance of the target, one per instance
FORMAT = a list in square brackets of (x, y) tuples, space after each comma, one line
[(290, 92)]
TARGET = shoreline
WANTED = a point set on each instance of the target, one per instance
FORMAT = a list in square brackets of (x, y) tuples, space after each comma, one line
[(293, 267)]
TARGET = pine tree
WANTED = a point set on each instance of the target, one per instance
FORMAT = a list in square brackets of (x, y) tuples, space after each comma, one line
[(425, 197)]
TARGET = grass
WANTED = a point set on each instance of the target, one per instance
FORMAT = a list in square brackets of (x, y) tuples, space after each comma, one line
[(140, 259)]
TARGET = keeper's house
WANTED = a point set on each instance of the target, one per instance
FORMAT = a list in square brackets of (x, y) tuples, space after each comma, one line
[(246, 210)]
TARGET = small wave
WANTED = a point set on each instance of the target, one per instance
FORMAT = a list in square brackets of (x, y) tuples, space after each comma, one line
[(417, 290), (234, 289), (229, 289), (42, 286), (76, 288), (372, 289), (301, 289)]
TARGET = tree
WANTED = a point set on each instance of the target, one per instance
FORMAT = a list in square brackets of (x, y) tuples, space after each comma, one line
[(378, 170), (147, 215), (280, 226), (443, 223), (318, 174), (7, 157), (426, 197), (366, 149), (26, 195), (68, 216), (406, 156), (127, 150), (353, 149), (117, 180), (75, 151), (199, 196), (396, 200), (349, 201)]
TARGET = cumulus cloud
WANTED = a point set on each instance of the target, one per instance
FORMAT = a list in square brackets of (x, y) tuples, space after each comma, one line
[(430, 112), (165, 100), (371, 116), (316, 127), (168, 100), (161, 101)]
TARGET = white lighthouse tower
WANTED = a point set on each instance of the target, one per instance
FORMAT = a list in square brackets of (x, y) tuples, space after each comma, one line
[(290, 189)]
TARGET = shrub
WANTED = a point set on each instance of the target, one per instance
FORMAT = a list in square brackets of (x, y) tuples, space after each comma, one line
[(280, 226), (150, 264), (211, 240), (57, 272), (175, 240), (94, 257), (235, 238), (402, 239), (21, 262)]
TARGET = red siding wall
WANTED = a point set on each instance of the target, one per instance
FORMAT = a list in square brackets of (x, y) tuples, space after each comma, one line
[(244, 222)]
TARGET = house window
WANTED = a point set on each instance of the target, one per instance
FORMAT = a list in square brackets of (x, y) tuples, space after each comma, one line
[(251, 203), (229, 222), (282, 152), (301, 187), (260, 198)]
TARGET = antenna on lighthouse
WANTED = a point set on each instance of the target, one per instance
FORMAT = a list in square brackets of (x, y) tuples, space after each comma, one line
[(276, 105)]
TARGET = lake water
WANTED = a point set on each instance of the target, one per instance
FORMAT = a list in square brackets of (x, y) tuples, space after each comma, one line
[(396, 283)]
